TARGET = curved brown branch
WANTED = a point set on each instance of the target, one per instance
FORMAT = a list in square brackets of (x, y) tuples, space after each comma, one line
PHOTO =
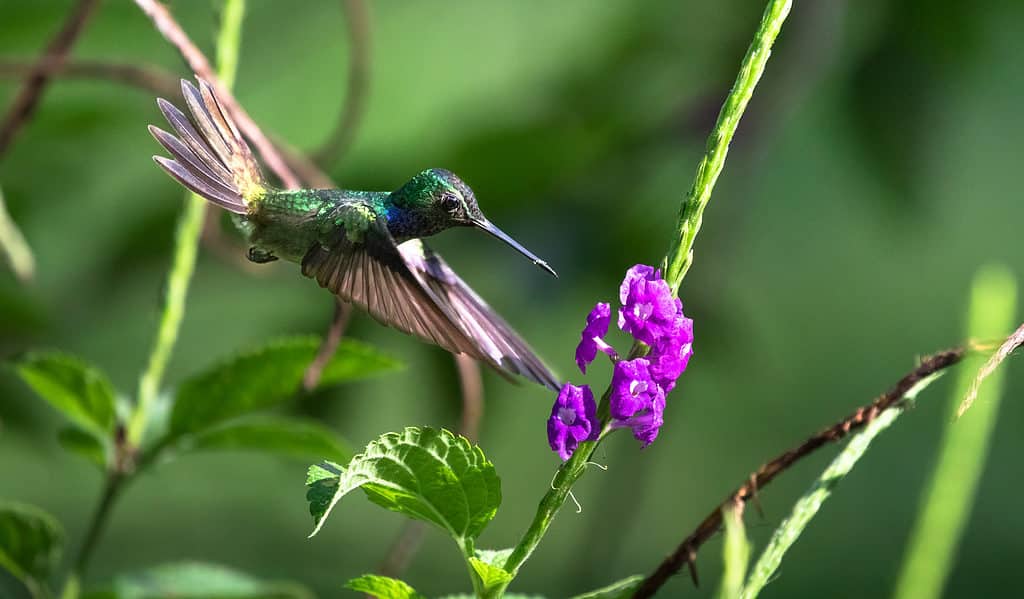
[(172, 32), (149, 78), (472, 387), (357, 19), (342, 312), (686, 552), (35, 83)]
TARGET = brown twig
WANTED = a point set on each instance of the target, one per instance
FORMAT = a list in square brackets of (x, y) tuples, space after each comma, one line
[(472, 396), (1012, 342), (150, 78), (686, 552), (357, 19), (405, 545), (342, 312), (155, 80), (35, 83), (172, 32)]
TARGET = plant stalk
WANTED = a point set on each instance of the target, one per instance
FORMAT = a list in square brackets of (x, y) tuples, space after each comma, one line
[(680, 252), (679, 256), (186, 245), (182, 266)]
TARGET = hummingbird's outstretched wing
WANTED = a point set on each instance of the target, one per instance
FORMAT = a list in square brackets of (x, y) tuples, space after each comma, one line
[(493, 337), (410, 288)]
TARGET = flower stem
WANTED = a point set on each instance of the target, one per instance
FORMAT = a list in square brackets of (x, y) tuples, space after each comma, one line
[(680, 253), (678, 259), (186, 244)]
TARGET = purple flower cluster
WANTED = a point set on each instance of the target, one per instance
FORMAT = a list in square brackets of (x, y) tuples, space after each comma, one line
[(651, 314)]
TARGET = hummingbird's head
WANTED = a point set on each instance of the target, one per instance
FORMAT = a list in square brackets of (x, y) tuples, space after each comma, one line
[(446, 201)]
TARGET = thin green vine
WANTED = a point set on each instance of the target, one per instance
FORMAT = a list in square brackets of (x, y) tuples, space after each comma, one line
[(679, 256), (186, 244)]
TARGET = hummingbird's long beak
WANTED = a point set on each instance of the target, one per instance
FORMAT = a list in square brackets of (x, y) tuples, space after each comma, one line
[(486, 225)]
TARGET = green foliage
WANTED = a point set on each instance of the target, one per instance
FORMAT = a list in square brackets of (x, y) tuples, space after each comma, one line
[(489, 576), (30, 543), (264, 377), (735, 554), (285, 436), (196, 580), (80, 392), (616, 590), (808, 505), (383, 587), (424, 473), (77, 441), (946, 504)]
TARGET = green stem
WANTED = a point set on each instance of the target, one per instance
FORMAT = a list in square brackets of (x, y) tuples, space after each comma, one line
[(680, 253), (12, 243), (186, 244), (677, 260)]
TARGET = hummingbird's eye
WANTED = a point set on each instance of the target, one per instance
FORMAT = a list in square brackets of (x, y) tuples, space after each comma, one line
[(449, 203)]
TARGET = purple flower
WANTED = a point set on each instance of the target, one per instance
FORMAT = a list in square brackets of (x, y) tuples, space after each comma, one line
[(648, 309), (647, 424), (573, 420), (670, 354), (636, 273), (633, 389), (592, 337)]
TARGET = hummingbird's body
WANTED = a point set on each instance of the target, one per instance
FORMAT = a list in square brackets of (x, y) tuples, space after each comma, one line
[(364, 246)]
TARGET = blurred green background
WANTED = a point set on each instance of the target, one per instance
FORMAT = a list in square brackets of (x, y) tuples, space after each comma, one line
[(877, 168)]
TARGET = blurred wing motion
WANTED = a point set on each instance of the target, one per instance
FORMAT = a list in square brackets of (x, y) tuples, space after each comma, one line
[(410, 288)]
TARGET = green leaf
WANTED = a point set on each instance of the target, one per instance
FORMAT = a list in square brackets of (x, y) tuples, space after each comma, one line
[(30, 542), (494, 557), (616, 590), (285, 436), (383, 587), (491, 576), (195, 580), (265, 377), (945, 507), (77, 390), (85, 445), (426, 474)]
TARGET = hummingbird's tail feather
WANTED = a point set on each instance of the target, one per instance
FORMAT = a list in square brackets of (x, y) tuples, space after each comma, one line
[(210, 158)]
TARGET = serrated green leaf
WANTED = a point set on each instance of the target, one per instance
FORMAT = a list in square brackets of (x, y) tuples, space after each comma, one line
[(30, 542), (491, 576), (196, 580), (383, 587), (426, 474), (265, 377), (85, 445), (80, 392), (616, 590), (285, 436)]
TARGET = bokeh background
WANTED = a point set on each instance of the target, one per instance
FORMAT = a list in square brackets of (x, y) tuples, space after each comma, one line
[(877, 169)]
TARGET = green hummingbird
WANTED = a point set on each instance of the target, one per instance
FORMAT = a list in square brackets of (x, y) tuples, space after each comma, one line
[(364, 246)]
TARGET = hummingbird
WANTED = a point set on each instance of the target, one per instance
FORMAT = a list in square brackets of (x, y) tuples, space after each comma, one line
[(364, 246)]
